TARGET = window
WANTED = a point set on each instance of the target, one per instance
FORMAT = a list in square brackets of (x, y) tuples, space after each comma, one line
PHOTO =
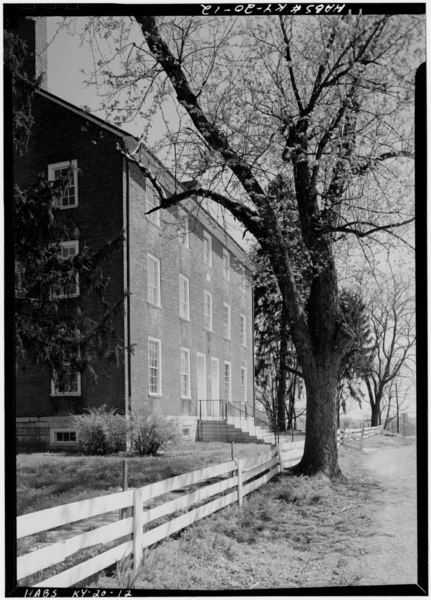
[(68, 173), (154, 367), (208, 259), (226, 321), (226, 265), (242, 330), (65, 436), (208, 311), (72, 385), (243, 384), (71, 288), (184, 229), (185, 372), (153, 280), (184, 298), (62, 436), (227, 382), (151, 202)]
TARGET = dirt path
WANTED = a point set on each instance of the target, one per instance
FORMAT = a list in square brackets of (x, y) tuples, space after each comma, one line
[(392, 550)]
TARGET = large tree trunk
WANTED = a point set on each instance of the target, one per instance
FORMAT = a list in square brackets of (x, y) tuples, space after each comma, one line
[(282, 371), (320, 451), (375, 414)]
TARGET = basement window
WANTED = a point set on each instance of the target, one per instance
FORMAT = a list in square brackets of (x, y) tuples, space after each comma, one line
[(63, 436)]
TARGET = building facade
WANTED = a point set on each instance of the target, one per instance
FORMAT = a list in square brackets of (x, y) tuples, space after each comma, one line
[(189, 304)]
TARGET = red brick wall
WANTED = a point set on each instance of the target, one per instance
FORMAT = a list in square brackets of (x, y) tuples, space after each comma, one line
[(165, 324), (61, 135)]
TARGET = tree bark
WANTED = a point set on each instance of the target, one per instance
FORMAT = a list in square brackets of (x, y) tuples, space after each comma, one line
[(282, 371), (320, 450), (375, 414)]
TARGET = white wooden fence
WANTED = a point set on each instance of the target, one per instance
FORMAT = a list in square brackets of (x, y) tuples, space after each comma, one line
[(235, 479)]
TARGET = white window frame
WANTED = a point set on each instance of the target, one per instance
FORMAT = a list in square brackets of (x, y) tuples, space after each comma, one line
[(227, 396), (70, 244), (55, 442), (186, 373), (155, 216), (184, 236), (210, 315), (243, 330), (159, 367), (226, 326), (156, 260), (52, 168), (56, 392), (184, 315), (226, 269), (208, 255), (243, 383)]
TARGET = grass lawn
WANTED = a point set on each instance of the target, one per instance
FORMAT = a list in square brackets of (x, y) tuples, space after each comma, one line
[(50, 479)]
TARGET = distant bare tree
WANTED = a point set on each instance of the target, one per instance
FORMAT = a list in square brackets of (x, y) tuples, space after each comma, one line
[(392, 317)]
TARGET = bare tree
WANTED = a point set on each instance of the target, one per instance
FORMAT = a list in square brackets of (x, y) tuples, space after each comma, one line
[(325, 102), (393, 331)]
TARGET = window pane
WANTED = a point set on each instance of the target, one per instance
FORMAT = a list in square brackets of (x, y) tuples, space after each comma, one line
[(226, 321), (185, 373), (153, 281), (184, 297), (207, 311), (227, 394), (154, 366)]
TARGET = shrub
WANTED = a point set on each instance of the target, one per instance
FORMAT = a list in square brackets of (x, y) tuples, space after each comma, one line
[(100, 431), (151, 433)]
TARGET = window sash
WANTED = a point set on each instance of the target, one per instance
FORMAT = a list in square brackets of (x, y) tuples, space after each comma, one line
[(153, 280), (185, 372), (68, 170), (207, 249), (154, 367), (227, 382), (184, 297), (226, 321), (208, 318), (68, 250), (243, 384), (72, 388)]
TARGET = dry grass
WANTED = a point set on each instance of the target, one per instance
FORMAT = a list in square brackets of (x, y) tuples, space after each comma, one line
[(299, 518), (50, 479)]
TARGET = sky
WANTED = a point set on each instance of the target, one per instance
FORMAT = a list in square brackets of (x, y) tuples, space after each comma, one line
[(67, 58)]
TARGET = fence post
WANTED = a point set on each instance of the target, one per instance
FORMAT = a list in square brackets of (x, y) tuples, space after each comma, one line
[(231, 451), (138, 524), (124, 512), (342, 433), (361, 443), (239, 469), (280, 463)]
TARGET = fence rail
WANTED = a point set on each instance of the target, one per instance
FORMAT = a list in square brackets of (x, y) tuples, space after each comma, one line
[(233, 480)]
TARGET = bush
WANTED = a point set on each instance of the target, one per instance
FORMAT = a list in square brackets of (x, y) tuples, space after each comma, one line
[(100, 431), (151, 433)]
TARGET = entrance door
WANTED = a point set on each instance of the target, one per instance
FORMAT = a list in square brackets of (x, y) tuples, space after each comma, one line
[(201, 370), (215, 387)]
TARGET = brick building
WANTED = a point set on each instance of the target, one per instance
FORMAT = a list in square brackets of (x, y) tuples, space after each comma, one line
[(189, 315)]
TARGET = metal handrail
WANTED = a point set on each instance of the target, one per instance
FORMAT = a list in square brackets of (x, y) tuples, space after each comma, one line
[(220, 410)]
